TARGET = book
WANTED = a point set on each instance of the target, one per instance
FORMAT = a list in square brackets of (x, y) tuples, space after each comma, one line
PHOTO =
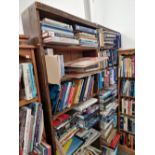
[(84, 29), (86, 104)]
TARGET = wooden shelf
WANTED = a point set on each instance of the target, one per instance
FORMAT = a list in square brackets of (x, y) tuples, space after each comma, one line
[(128, 78), (131, 133), (23, 102), (80, 75), (124, 148), (61, 46), (132, 116), (128, 97)]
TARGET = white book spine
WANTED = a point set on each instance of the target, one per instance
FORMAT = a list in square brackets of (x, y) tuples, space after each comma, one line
[(27, 130), (26, 78)]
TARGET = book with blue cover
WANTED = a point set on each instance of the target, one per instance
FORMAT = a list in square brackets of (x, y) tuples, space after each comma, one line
[(76, 143), (85, 29)]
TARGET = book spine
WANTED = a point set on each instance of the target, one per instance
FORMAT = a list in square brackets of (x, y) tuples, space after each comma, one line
[(67, 94), (26, 78), (27, 130), (70, 98), (55, 27), (85, 29), (33, 85)]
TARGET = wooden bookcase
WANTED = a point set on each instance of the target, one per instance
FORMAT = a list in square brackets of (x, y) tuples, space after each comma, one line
[(31, 18), (26, 54), (127, 52)]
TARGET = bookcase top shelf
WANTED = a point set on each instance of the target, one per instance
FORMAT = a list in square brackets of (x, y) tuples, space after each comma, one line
[(60, 46)]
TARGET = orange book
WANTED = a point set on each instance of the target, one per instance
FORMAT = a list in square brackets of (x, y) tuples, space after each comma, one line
[(71, 96)]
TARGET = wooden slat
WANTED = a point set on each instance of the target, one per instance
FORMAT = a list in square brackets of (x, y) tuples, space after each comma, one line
[(24, 102), (131, 133), (132, 116)]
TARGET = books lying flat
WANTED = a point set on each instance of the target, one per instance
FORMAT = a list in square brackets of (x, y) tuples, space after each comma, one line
[(84, 62), (86, 104), (61, 40)]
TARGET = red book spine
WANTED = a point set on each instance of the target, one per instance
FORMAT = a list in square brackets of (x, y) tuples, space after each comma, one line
[(115, 141), (20, 152), (70, 98)]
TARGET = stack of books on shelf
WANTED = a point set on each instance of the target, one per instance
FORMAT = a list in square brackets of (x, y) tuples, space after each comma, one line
[(108, 123), (88, 113), (127, 124), (128, 88), (71, 93), (86, 36), (128, 140), (31, 126), (57, 32), (127, 66), (65, 126), (108, 39), (27, 85), (86, 64), (128, 106)]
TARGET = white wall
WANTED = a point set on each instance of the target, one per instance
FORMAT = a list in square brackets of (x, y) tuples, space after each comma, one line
[(118, 15), (74, 7)]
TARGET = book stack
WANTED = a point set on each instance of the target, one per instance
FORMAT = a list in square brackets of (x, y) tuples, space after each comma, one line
[(71, 93), (128, 140), (87, 36), (108, 39), (128, 88), (88, 113), (57, 32), (108, 123), (65, 127), (27, 85), (127, 66), (127, 124), (128, 106), (86, 64), (112, 56), (31, 126)]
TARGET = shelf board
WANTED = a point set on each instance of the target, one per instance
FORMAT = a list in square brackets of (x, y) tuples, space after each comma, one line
[(80, 75), (132, 116), (131, 133), (68, 109), (23, 102), (69, 46), (128, 78), (124, 148), (128, 97)]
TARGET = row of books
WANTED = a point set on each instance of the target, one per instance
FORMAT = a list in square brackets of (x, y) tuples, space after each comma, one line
[(108, 39), (128, 140), (59, 32), (107, 77), (127, 66), (71, 93), (112, 56), (31, 126), (127, 124), (128, 106), (27, 85), (128, 88)]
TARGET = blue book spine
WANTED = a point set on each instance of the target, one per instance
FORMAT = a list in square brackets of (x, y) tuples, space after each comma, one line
[(67, 94), (32, 81), (56, 27), (90, 85), (85, 29), (63, 97), (83, 89), (57, 30)]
